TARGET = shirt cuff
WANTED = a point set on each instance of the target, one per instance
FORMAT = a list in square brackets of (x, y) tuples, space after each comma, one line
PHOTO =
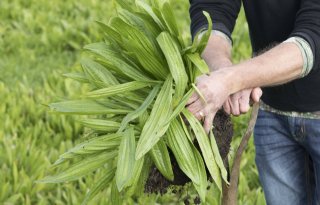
[(306, 52), (216, 33)]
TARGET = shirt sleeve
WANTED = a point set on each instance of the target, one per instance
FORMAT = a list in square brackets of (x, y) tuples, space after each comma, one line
[(223, 14), (307, 26)]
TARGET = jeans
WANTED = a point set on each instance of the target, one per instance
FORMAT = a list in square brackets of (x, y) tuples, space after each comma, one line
[(288, 158)]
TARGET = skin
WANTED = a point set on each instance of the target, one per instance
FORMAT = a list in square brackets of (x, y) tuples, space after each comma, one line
[(232, 86)]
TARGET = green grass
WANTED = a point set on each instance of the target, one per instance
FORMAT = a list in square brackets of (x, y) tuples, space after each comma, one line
[(39, 41)]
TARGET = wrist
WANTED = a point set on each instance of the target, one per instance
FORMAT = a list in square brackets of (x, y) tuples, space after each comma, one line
[(226, 75), (219, 63)]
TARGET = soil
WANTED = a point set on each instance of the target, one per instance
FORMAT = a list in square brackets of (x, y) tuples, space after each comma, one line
[(223, 132)]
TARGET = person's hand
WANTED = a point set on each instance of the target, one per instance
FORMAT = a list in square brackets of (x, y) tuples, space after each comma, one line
[(215, 90), (239, 103)]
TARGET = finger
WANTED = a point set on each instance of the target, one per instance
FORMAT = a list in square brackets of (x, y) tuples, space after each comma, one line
[(244, 104), (199, 115), (226, 106), (234, 104), (195, 107), (193, 98), (256, 94), (208, 122)]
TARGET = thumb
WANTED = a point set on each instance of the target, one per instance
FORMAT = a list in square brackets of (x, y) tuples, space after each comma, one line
[(256, 94)]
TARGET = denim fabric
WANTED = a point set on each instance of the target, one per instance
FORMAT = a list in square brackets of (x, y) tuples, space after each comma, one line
[(288, 158)]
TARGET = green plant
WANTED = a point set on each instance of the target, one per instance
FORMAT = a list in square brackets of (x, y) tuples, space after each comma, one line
[(141, 77)]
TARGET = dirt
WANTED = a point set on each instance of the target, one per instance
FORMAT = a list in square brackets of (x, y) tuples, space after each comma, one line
[(223, 132)]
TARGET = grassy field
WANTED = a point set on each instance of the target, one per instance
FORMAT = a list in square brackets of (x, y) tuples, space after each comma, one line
[(39, 41)]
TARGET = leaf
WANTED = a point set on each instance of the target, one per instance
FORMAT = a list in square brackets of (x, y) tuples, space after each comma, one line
[(138, 187), (136, 175), (149, 24), (80, 77), (183, 151), (101, 184), (199, 45), (117, 89), (160, 156), (199, 94), (181, 105), (110, 33), (115, 61), (188, 157), (205, 37), (147, 9), (198, 62), (97, 74), (84, 107), (138, 112), (205, 147), (126, 159), (95, 145), (100, 125), (145, 50), (155, 126), (202, 187), (81, 168), (172, 53), (218, 158), (116, 198), (125, 4), (169, 18)]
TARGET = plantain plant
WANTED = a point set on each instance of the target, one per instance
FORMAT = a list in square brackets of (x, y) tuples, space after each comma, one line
[(141, 75)]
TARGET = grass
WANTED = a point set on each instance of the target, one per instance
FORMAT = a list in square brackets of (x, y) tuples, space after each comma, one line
[(40, 40)]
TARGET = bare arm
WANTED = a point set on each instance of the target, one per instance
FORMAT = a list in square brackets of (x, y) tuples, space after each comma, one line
[(217, 53), (279, 65)]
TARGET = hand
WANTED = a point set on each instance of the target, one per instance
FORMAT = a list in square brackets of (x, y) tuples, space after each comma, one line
[(239, 103), (215, 91)]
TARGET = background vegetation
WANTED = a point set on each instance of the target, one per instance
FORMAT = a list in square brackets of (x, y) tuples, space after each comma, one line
[(39, 41)]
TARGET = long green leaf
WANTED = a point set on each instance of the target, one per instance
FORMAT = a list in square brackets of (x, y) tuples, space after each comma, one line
[(169, 18), (115, 198), (183, 151), (205, 147), (160, 156), (117, 89), (81, 168), (181, 105), (98, 74), (80, 77), (115, 61), (100, 125), (85, 107), (126, 159), (138, 112), (202, 187), (125, 5), (156, 126), (172, 53), (205, 38), (136, 175), (145, 50), (110, 32), (218, 158), (144, 6), (95, 145), (198, 62), (102, 183)]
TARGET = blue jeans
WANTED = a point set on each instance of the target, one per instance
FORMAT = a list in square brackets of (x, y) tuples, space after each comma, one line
[(288, 158)]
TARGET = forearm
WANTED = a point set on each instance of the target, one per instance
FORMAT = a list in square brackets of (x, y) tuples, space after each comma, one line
[(217, 53), (279, 65)]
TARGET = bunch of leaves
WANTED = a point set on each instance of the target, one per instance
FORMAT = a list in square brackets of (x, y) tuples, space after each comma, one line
[(141, 76)]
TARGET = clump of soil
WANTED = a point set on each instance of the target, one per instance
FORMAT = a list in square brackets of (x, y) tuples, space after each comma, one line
[(223, 132)]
